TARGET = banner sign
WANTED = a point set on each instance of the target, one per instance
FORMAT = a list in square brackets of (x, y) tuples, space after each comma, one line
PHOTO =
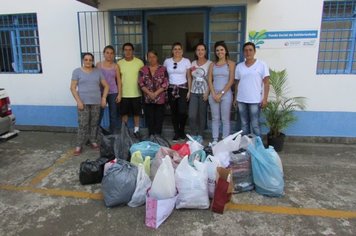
[(284, 39)]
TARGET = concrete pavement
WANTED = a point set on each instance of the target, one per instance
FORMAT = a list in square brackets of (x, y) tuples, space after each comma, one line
[(40, 194)]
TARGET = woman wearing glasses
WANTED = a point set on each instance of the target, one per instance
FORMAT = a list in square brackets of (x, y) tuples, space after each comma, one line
[(221, 78), (178, 69), (199, 92)]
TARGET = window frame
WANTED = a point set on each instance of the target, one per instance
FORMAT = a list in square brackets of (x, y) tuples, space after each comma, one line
[(350, 58), (22, 30)]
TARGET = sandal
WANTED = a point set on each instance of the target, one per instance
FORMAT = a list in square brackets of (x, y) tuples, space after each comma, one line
[(94, 146), (77, 151)]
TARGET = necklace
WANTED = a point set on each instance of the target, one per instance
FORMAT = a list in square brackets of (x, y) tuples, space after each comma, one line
[(200, 64)]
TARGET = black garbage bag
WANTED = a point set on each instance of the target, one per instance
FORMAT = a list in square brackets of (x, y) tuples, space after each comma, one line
[(124, 142), (160, 140), (91, 172), (107, 145), (119, 183), (104, 131)]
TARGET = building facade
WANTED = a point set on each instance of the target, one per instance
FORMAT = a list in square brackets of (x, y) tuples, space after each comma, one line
[(41, 43)]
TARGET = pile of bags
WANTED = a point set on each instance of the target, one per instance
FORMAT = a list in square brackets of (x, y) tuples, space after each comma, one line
[(184, 175)]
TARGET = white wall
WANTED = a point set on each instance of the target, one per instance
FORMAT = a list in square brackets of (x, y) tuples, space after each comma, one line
[(60, 54), (323, 92)]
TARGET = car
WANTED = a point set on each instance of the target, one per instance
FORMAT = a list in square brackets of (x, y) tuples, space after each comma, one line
[(7, 118)]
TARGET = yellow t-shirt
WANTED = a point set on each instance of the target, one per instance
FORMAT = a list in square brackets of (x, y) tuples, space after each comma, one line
[(129, 76)]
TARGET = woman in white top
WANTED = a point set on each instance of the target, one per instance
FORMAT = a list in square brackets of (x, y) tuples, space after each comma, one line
[(251, 90), (199, 92), (178, 69)]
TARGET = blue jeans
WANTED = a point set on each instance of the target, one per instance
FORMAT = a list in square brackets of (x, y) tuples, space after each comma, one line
[(113, 112), (250, 116)]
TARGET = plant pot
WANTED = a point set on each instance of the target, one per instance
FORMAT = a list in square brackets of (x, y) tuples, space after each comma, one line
[(276, 142)]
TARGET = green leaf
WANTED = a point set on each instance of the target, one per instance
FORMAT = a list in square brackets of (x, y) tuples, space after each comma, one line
[(279, 113)]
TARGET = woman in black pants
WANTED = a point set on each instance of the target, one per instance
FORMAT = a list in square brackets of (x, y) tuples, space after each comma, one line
[(153, 81), (178, 69)]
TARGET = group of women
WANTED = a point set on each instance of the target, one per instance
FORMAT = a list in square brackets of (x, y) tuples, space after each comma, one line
[(187, 87)]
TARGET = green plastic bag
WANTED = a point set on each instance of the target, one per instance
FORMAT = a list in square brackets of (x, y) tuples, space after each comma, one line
[(137, 159)]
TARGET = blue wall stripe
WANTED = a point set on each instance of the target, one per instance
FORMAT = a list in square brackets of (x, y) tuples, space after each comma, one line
[(63, 116), (310, 123), (322, 123)]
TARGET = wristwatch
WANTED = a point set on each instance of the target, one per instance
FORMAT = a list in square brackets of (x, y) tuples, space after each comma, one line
[(222, 92)]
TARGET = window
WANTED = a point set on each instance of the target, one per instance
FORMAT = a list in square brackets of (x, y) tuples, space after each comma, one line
[(19, 44), (227, 24), (337, 53), (127, 27)]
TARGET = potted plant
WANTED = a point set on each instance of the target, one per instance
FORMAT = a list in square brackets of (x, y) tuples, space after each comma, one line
[(279, 112)]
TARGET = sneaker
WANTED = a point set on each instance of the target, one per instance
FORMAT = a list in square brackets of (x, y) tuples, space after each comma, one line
[(175, 138), (94, 146), (77, 151)]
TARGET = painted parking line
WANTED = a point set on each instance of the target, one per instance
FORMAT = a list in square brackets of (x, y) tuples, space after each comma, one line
[(44, 173), (292, 210), (280, 210), (53, 192)]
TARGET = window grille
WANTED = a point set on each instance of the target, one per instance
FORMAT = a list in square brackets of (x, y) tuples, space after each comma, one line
[(19, 44), (337, 54)]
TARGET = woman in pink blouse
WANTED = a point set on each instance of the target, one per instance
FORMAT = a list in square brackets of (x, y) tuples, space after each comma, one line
[(153, 80)]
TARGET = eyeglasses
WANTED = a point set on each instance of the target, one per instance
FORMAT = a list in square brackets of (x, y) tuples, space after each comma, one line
[(175, 65)]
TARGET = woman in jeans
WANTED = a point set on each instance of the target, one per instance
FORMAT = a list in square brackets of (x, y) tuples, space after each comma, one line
[(199, 92), (221, 78), (178, 69), (111, 74), (153, 81), (85, 87), (251, 90)]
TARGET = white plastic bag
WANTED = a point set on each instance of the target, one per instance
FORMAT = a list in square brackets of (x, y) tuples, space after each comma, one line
[(193, 144), (157, 211), (212, 163), (228, 144), (163, 185), (224, 158), (246, 140), (143, 183), (192, 185)]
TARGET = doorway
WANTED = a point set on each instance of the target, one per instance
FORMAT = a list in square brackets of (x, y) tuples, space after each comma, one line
[(165, 29)]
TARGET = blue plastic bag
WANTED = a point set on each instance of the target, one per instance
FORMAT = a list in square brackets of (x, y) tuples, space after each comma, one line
[(266, 171), (146, 148), (199, 155)]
